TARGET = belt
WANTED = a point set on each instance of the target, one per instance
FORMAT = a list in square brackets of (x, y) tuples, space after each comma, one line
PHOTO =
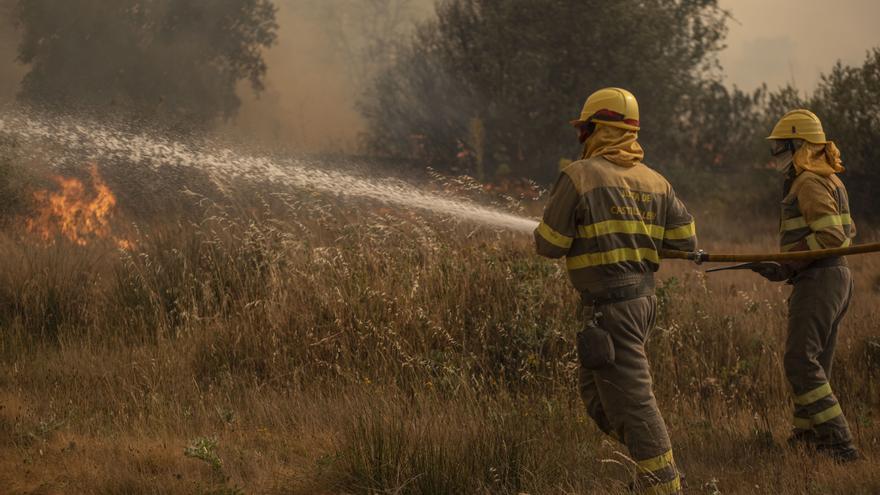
[(643, 288), (824, 263)]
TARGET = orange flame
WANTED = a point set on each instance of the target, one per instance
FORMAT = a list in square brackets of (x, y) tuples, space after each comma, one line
[(72, 212)]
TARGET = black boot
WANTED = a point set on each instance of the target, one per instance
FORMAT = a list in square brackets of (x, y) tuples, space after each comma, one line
[(841, 453), (803, 439)]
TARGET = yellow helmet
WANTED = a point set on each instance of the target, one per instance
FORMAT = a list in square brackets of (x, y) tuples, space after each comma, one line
[(799, 124), (611, 106)]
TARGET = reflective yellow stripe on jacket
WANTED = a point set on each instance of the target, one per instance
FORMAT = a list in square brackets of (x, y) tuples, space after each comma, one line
[(610, 222), (620, 227), (683, 232), (822, 223), (794, 224), (813, 244), (815, 214), (554, 237), (611, 257), (831, 221)]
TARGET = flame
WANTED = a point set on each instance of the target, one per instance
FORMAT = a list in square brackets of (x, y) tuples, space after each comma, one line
[(74, 212)]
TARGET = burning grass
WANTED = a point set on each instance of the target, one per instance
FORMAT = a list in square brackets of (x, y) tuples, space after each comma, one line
[(291, 344)]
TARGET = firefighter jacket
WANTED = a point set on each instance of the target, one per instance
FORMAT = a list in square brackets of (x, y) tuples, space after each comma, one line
[(610, 220), (815, 213)]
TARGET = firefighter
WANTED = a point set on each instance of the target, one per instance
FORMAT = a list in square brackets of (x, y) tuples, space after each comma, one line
[(609, 215), (815, 215)]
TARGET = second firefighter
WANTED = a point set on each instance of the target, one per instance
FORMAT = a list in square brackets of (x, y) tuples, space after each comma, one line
[(815, 215)]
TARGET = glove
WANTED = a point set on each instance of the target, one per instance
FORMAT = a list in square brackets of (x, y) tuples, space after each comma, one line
[(773, 271)]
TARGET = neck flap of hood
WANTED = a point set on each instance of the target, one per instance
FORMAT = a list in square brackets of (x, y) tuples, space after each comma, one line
[(618, 146), (821, 159)]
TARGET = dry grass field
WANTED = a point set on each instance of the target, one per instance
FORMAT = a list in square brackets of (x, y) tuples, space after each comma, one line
[(290, 344)]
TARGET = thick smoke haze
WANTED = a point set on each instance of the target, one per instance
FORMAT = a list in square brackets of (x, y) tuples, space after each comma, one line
[(326, 52), (10, 71), (794, 41), (327, 49), (316, 70)]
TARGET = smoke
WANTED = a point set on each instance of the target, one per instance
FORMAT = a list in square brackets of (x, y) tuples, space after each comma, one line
[(327, 51), (10, 71), (782, 42)]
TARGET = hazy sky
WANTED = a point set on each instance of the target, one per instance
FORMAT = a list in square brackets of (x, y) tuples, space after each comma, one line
[(311, 90), (772, 41), (309, 103), (781, 41)]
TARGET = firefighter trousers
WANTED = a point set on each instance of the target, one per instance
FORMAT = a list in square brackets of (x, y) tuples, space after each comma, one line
[(818, 303), (620, 399)]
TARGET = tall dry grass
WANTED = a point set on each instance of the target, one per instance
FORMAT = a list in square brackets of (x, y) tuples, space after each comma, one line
[(292, 344)]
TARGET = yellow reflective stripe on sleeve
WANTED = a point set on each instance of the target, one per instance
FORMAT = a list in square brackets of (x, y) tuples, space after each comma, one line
[(794, 223), (802, 423), (554, 237), (668, 488), (827, 415), (813, 395), (683, 232), (611, 257), (620, 227), (812, 244), (656, 463), (830, 221)]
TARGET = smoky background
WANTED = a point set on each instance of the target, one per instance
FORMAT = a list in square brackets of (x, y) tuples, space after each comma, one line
[(395, 81), (249, 304)]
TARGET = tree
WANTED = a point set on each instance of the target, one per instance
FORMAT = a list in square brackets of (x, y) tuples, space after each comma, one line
[(722, 128), (522, 68), (848, 102), (174, 63)]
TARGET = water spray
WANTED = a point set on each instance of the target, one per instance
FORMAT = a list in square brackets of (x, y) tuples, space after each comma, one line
[(224, 164)]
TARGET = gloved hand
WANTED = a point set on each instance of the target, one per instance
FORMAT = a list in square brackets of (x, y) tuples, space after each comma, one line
[(773, 271)]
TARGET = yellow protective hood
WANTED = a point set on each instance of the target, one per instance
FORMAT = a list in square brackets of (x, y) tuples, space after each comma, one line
[(821, 159), (616, 145)]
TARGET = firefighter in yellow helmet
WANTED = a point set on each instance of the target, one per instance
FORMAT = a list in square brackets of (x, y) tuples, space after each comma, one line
[(609, 215), (815, 215)]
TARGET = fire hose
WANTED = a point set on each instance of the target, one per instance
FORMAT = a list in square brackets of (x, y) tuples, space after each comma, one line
[(701, 256)]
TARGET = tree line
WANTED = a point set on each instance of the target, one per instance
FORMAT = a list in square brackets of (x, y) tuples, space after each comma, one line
[(484, 87), (488, 87), (169, 64)]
